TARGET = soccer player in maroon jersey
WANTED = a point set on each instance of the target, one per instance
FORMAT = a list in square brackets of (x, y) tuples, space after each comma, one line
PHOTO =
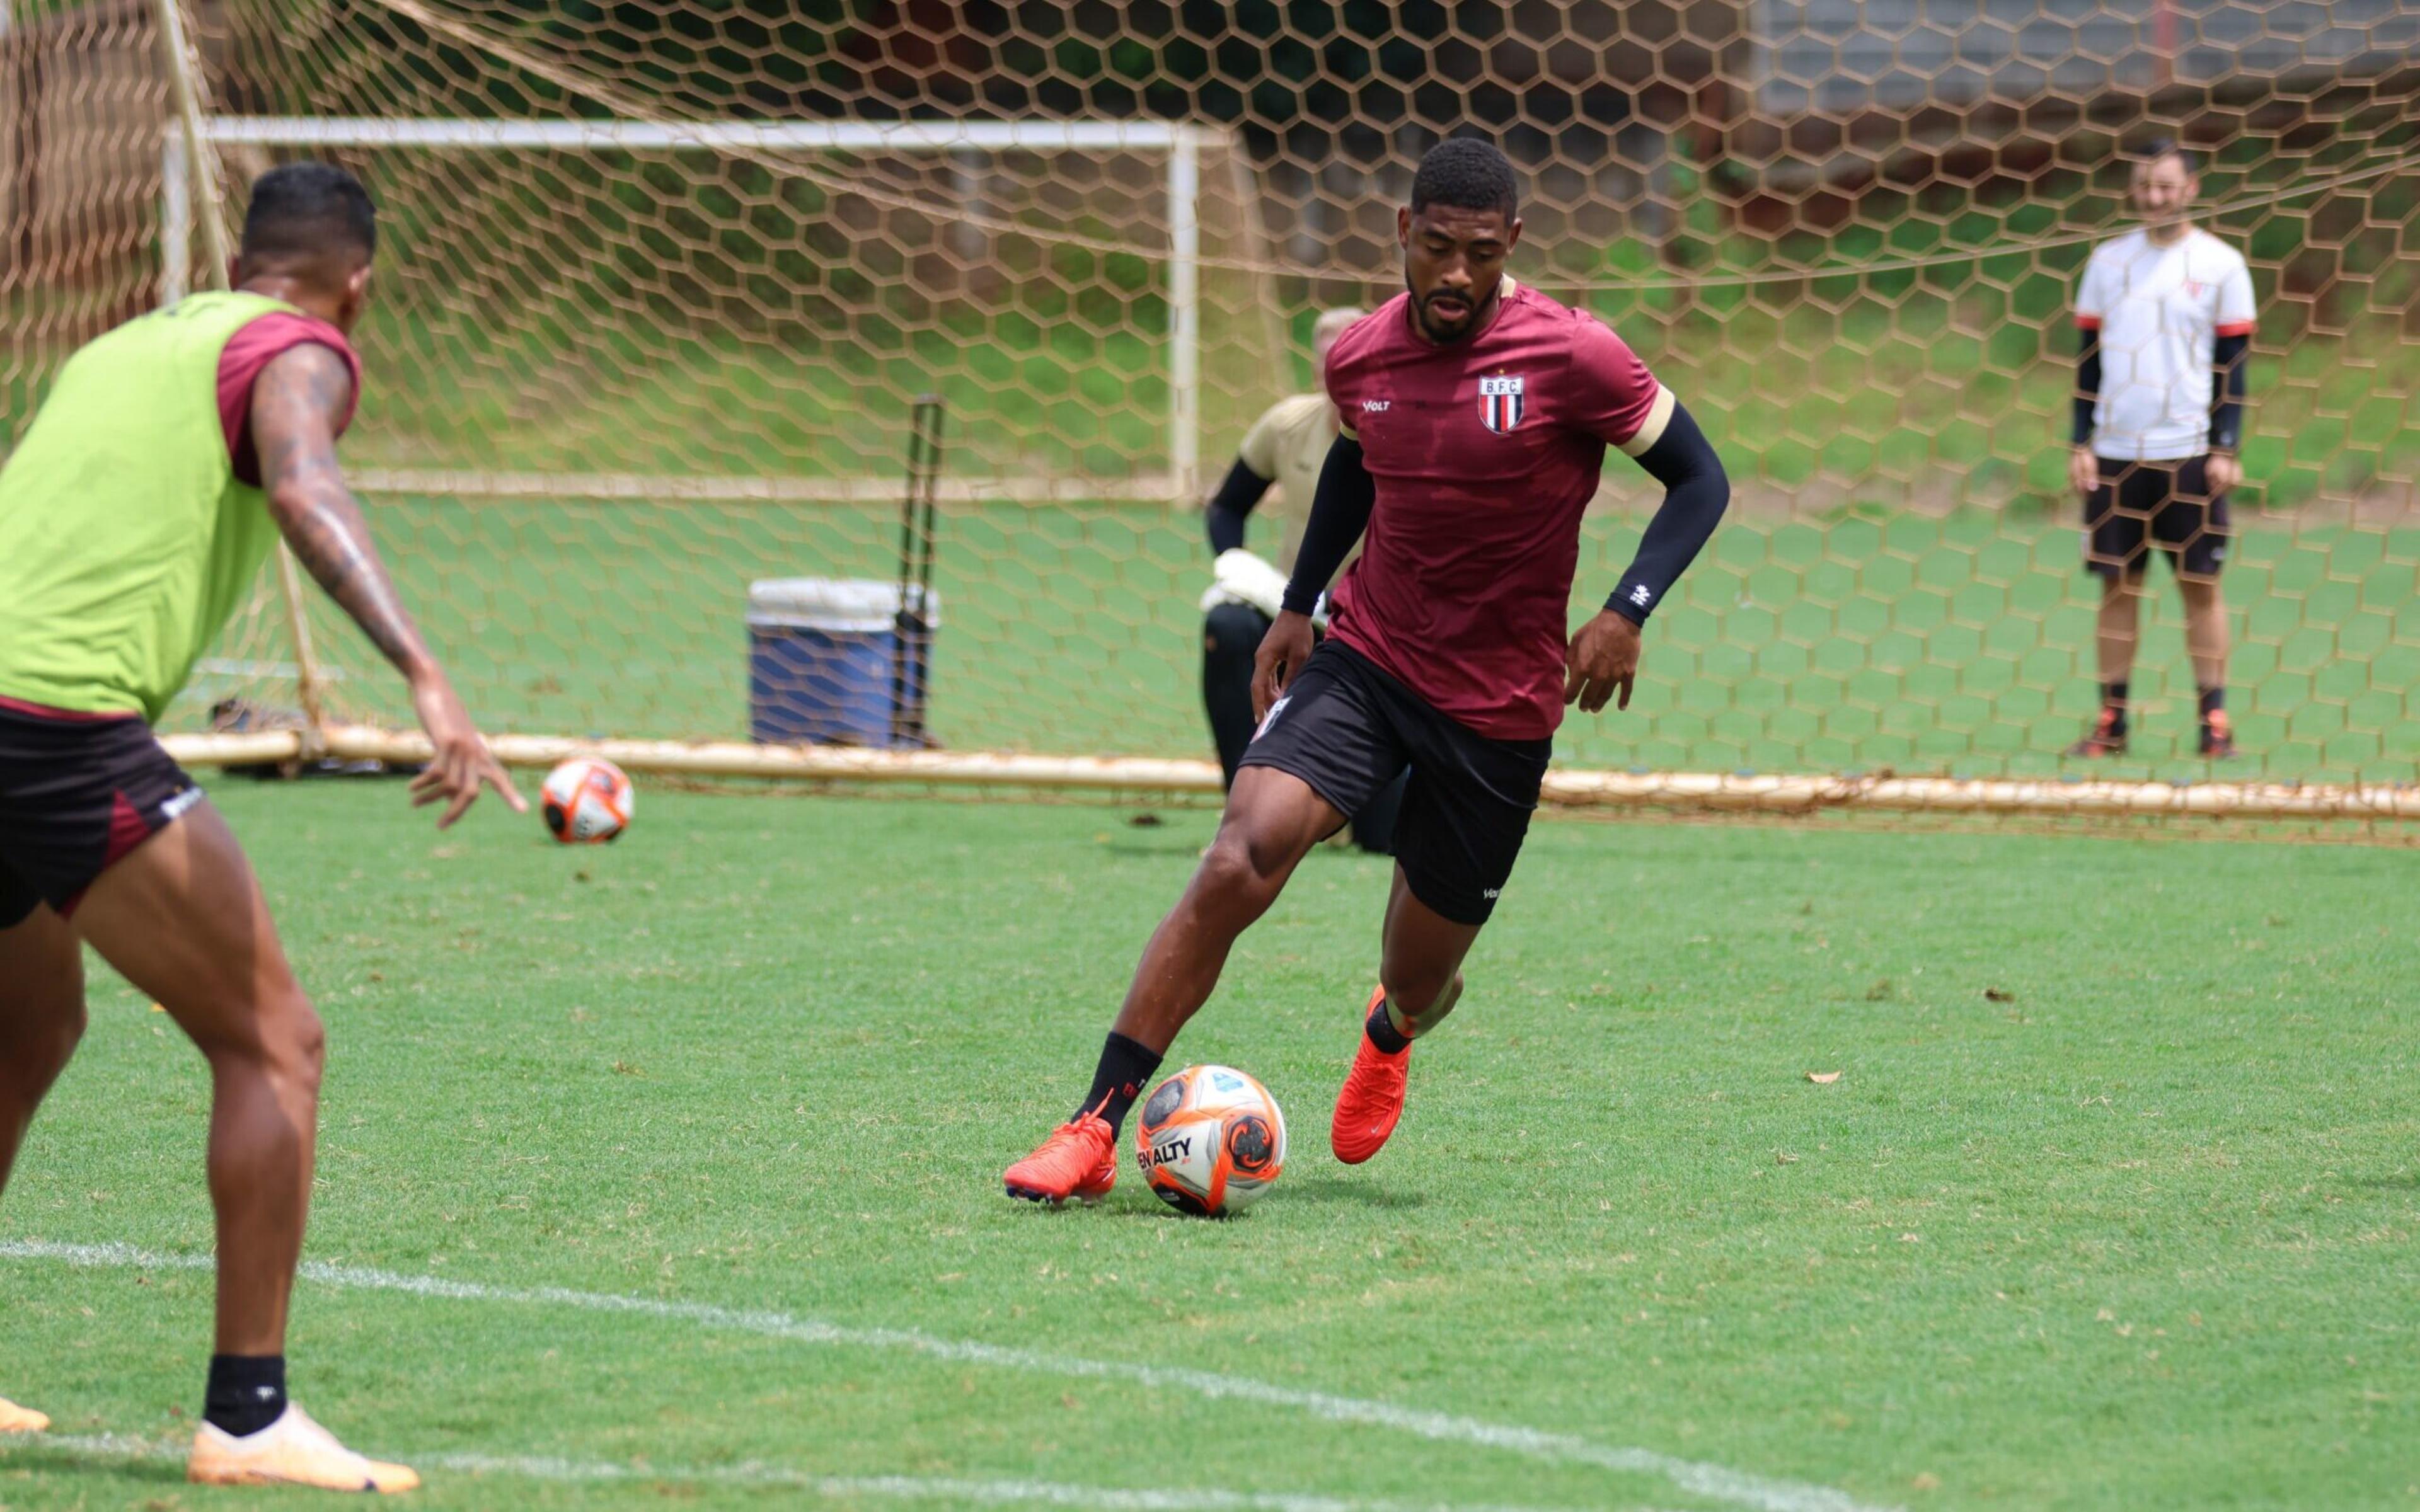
[(1476, 414)]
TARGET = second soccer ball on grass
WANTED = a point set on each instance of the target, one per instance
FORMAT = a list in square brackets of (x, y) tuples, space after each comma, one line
[(588, 800), (1210, 1141)]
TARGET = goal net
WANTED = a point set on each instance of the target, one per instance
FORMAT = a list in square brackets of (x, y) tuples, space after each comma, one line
[(660, 286)]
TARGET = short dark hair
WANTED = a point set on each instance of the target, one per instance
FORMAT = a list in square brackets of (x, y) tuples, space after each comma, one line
[(1467, 174), (307, 211), (2166, 147)]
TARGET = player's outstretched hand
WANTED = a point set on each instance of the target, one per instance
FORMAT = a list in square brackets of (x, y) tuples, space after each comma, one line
[(1602, 659), (460, 761), (1282, 652)]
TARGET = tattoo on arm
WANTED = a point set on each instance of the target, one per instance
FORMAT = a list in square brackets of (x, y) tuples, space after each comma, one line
[(296, 403)]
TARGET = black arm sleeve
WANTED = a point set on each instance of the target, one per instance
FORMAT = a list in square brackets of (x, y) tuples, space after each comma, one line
[(2226, 392), (2088, 382), (1236, 498), (1694, 494), (1339, 511)]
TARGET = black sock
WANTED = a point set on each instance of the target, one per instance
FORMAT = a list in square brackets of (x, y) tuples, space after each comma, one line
[(2213, 700), (1125, 1065), (246, 1392), (1383, 1033), (2112, 696)]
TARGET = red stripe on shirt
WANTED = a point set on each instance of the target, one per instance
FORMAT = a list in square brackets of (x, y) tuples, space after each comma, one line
[(43, 710), (2235, 327), (2088, 322)]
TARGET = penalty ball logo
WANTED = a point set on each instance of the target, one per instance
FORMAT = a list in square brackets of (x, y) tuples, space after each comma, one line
[(1166, 1152), (1500, 403)]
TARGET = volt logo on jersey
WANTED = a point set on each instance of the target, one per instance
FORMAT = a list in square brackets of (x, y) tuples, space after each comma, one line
[(1500, 402)]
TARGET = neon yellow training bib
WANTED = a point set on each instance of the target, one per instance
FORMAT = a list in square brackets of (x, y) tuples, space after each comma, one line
[(125, 540)]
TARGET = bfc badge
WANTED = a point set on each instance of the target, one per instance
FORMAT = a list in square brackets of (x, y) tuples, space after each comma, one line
[(1500, 403)]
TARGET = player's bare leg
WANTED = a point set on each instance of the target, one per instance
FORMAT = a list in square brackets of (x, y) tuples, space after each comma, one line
[(2120, 629), (183, 919), (2208, 641), (2118, 632), (41, 1018), (1271, 822), (1421, 961), (1419, 981)]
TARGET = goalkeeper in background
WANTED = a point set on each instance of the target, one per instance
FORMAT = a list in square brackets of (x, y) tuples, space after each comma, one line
[(1285, 446), (2165, 318)]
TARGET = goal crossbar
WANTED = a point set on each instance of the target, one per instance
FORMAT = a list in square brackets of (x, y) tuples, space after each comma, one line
[(713, 136)]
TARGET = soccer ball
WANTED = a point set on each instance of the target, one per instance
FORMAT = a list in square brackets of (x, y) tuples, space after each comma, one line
[(1210, 1141), (587, 801)]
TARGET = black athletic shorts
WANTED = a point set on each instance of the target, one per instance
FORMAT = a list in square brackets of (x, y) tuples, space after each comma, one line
[(1347, 729), (77, 792), (2167, 503)]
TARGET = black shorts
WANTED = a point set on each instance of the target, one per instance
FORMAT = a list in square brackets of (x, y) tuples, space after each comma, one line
[(2167, 503), (77, 792), (1347, 729)]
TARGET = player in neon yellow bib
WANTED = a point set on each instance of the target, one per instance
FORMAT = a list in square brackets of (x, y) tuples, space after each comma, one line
[(167, 461)]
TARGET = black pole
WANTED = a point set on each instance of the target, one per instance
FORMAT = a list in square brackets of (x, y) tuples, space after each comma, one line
[(930, 549), (912, 631)]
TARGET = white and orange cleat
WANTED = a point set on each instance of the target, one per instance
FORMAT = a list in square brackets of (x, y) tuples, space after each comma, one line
[(292, 1451), (1079, 1160), (16, 1419)]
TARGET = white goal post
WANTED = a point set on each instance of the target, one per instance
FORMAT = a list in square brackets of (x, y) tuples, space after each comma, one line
[(1183, 145)]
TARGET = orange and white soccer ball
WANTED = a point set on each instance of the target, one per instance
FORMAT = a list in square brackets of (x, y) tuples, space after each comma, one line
[(587, 801), (1211, 1140)]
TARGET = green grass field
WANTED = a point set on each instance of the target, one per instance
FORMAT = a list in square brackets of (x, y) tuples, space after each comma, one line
[(1858, 640), (2114, 1204), (1894, 393)]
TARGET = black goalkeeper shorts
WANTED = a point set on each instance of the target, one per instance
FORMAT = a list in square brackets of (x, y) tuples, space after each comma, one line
[(2167, 503), (1348, 729), (77, 792)]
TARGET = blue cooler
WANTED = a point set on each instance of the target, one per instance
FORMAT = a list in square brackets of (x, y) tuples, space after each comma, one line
[(826, 660)]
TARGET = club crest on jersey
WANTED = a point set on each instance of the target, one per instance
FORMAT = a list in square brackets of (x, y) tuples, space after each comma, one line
[(1500, 402)]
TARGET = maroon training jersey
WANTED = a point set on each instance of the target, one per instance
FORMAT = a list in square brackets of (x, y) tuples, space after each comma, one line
[(1484, 453)]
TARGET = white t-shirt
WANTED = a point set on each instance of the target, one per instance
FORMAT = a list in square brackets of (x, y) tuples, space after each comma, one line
[(2160, 312)]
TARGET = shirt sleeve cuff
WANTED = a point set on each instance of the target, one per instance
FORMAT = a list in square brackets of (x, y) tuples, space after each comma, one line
[(1632, 601), (1651, 430)]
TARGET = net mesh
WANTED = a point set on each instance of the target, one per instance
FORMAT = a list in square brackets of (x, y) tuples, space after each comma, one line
[(611, 386)]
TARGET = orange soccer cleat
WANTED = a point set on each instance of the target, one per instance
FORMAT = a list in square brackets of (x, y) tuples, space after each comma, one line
[(1372, 1100), (2217, 736), (1079, 1160), (292, 1451), (2107, 737), (16, 1419)]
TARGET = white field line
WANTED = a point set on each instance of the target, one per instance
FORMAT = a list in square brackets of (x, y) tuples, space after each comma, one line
[(755, 1474), (1715, 1482)]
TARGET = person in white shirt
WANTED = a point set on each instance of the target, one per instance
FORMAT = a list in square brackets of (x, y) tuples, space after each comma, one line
[(2165, 318), (1286, 446)]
